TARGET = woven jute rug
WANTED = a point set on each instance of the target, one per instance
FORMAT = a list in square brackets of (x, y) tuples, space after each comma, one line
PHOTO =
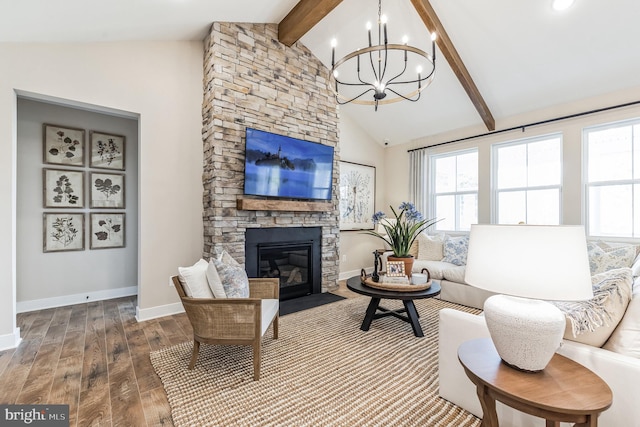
[(322, 371)]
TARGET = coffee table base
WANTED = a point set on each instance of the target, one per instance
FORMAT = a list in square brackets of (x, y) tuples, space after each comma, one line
[(411, 317)]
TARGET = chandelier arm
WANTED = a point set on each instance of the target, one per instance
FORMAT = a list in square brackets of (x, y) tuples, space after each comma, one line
[(360, 78), (404, 97), (395, 77), (414, 81), (373, 67), (384, 70), (352, 99)]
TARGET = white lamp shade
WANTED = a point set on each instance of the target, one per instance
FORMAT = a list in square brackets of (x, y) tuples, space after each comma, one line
[(530, 261)]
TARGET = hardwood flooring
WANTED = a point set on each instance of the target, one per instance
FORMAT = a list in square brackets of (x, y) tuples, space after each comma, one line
[(94, 357)]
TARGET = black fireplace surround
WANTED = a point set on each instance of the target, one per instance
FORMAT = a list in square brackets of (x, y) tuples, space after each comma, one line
[(292, 254)]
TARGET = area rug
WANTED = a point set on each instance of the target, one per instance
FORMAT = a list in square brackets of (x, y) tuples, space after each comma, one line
[(322, 371), (306, 302)]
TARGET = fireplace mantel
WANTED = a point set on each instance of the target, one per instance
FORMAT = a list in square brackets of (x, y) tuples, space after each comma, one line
[(282, 205)]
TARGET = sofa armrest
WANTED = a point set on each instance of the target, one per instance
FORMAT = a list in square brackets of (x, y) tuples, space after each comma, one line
[(456, 327)]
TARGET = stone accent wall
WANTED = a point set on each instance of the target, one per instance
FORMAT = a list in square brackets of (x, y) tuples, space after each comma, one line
[(252, 80)]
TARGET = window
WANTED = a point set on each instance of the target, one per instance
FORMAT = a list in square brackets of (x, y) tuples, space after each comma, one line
[(454, 190), (612, 176), (527, 181)]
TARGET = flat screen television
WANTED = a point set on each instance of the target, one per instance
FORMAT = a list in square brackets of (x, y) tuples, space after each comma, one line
[(281, 166)]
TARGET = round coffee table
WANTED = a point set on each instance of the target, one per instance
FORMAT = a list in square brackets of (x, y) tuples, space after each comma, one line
[(355, 284)]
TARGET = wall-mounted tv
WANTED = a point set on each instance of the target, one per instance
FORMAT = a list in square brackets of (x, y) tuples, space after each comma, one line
[(281, 166)]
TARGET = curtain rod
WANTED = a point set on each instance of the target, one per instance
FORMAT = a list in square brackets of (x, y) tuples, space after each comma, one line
[(523, 127)]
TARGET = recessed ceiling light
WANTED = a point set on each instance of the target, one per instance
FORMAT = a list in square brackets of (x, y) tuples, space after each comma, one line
[(561, 4)]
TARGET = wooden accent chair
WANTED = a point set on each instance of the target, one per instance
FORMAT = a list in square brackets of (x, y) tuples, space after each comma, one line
[(233, 321)]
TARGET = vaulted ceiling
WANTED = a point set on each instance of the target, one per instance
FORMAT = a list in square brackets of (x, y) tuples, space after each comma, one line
[(497, 58)]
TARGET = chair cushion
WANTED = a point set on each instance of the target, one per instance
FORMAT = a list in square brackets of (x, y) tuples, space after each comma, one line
[(194, 280), (269, 309), (234, 279), (215, 283)]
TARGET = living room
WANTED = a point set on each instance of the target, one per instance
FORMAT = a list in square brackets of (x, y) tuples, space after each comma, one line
[(160, 84)]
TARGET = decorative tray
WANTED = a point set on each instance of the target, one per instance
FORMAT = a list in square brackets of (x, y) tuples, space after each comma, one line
[(400, 287)]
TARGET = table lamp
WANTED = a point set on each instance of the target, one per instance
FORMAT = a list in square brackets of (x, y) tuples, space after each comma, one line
[(528, 265)]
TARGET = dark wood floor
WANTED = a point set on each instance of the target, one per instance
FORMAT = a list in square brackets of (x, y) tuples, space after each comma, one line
[(95, 358)]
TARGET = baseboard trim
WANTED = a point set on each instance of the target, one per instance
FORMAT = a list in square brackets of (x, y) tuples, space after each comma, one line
[(61, 301), (10, 340), (347, 274), (143, 314)]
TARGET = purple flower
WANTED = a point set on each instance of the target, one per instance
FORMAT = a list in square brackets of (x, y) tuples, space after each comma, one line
[(377, 217)]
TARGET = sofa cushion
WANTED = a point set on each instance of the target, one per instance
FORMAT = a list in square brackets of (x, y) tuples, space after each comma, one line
[(456, 249), (436, 268), (625, 339), (592, 322), (194, 280), (455, 274), (603, 257), (430, 248)]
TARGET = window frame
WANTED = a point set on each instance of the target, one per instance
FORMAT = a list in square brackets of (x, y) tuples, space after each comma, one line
[(432, 195), (495, 191), (586, 186)]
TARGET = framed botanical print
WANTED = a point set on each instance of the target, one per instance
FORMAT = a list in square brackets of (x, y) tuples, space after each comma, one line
[(357, 196), (107, 230), (63, 188), (63, 232), (107, 190), (107, 150), (63, 145)]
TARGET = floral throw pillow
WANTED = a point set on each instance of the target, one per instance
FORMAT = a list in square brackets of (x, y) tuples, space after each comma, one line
[(601, 260), (455, 249), (234, 279)]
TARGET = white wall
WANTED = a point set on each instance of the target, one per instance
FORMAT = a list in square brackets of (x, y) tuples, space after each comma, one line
[(162, 83), (84, 274), (357, 147), (571, 129)]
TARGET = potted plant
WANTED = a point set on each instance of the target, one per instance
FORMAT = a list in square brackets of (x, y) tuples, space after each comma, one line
[(400, 232)]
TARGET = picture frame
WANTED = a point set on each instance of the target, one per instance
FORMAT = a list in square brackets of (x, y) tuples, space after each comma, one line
[(395, 268), (107, 150), (63, 188), (63, 231), (107, 230), (63, 145), (357, 196), (107, 190)]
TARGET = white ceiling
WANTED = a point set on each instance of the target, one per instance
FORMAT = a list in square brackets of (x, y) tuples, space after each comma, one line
[(522, 55)]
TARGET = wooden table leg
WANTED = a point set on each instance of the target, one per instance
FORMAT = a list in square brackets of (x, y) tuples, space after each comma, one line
[(371, 311), (412, 314), (489, 414)]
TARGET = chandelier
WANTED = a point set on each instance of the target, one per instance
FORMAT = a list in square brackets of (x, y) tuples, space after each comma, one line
[(383, 73)]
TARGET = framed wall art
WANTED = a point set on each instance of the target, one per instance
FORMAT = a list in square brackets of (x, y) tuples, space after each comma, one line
[(357, 196), (63, 145), (107, 150), (63, 232), (63, 188), (107, 230), (107, 190)]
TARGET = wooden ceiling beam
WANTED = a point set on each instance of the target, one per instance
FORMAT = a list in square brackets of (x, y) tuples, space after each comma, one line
[(432, 22), (302, 18)]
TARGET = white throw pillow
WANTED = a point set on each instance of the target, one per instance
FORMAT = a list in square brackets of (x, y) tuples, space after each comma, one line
[(234, 279), (214, 281), (626, 338), (456, 249), (592, 322), (430, 248), (194, 280)]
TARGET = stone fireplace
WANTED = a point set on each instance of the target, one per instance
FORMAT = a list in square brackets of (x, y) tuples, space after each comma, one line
[(252, 80)]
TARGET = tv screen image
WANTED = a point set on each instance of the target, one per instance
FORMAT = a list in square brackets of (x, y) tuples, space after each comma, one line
[(281, 166)]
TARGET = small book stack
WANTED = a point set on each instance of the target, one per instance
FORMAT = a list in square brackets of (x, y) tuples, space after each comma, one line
[(404, 280)]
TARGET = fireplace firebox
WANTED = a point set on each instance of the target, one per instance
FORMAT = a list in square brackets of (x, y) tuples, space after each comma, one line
[(291, 254)]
